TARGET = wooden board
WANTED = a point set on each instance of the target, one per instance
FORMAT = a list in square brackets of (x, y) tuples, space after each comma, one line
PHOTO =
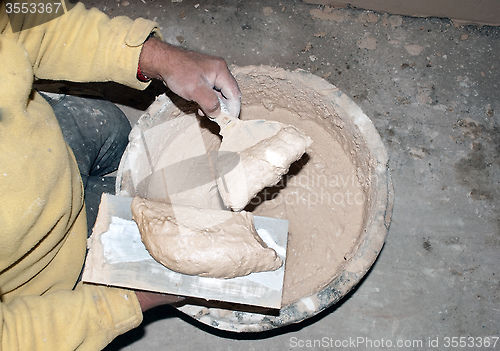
[(461, 12)]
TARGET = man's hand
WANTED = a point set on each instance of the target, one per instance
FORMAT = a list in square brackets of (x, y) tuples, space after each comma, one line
[(148, 300), (191, 75)]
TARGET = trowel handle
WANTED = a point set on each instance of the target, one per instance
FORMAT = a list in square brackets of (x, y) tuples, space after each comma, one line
[(225, 119)]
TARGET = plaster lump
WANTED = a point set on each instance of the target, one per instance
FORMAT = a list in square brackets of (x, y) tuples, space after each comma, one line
[(260, 166), (203, 242)]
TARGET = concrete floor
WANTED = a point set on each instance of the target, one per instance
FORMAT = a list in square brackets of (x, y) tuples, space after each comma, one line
[(432, 91)]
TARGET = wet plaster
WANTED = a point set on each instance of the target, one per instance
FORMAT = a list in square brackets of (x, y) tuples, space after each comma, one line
[(432, 90)]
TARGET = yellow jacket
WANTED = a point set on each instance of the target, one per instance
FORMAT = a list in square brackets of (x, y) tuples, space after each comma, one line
[(42, 217)]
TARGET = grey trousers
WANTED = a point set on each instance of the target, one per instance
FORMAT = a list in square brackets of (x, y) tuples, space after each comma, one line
[(97, 132)]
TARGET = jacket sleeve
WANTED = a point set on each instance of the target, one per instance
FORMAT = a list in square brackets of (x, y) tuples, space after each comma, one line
[(82, 45), (54, 321), (87, 46)]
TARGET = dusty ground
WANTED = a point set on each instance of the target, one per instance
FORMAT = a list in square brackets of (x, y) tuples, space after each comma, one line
[(432, 91)]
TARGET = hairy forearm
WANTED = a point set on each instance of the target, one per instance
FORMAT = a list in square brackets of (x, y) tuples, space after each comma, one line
[(154, 54)]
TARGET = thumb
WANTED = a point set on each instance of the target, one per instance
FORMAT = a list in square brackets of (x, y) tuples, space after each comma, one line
[(209, 102)]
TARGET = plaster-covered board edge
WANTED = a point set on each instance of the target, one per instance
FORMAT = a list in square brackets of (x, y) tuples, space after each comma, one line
[(461, 12)]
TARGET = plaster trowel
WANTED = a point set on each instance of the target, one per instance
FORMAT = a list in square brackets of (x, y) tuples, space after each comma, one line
[(117, 257), (262, 151)]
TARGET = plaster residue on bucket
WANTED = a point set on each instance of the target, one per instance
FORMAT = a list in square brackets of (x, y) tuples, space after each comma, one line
[(324, 195), (322, 198), (323, 201)]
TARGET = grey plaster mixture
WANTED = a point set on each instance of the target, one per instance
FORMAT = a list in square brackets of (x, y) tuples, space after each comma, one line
[(432, 91)]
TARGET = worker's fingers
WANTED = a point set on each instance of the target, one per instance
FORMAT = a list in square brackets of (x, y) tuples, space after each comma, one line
[(220, 86), (148, 300), (208, 95), (195, 87), (228, 87)]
